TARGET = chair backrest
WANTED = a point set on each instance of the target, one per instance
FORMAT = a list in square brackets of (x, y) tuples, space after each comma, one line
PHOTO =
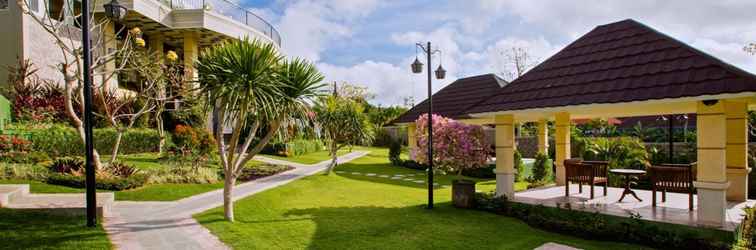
[(576, 170), (673, 177), (600, 168)]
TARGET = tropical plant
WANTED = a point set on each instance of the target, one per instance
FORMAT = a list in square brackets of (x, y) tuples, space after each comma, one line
[(621, 152), (343, 123), (541, 169), (251, 88), (456, 146)]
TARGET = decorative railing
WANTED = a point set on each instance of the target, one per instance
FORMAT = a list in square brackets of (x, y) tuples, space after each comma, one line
[(231, 10)]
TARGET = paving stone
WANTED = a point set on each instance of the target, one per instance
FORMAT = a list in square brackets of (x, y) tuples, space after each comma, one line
[(555, 246), (370, 174), (419, 181), (356, 173), (383, 176)]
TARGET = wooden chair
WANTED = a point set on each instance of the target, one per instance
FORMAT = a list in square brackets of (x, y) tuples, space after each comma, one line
[(586, 172), (673, 178)]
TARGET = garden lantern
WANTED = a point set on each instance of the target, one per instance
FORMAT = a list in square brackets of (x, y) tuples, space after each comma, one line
[(417, 66), (440, 72)]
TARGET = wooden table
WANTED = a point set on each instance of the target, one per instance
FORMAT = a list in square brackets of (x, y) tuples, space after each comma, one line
[(628, 174)]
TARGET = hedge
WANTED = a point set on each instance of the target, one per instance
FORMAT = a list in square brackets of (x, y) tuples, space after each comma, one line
[(60, 140), (114, 184), (293, 148)]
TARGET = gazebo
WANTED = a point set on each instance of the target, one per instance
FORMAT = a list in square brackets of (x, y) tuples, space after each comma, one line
[(627, 69)]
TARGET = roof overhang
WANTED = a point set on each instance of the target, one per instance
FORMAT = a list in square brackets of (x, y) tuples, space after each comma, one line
[(624, 109)]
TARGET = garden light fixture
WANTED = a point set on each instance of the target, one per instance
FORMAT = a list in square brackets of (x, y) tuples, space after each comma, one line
[(115, 11)]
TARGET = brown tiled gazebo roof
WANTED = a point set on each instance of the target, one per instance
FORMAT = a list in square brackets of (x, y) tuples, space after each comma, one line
[(456, 98), (615, 63)]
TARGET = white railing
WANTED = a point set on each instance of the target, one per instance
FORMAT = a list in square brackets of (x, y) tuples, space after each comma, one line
[(231, 10)]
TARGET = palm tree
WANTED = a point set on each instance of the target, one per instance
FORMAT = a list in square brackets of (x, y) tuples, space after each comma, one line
[(251, 88), (343, 123)]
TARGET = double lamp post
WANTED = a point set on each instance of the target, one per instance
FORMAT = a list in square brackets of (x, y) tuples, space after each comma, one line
[(417, 68)]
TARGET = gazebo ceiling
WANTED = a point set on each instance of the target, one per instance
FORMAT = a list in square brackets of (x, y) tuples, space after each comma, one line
[(621, 63)]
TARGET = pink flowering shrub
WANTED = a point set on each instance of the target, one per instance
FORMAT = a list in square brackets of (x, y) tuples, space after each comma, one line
[(456, 146)]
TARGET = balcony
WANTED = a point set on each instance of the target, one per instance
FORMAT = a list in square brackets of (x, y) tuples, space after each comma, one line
[(230, 10)]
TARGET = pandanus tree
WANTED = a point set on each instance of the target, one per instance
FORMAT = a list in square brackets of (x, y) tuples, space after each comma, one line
[(343, 123), (253, 90)]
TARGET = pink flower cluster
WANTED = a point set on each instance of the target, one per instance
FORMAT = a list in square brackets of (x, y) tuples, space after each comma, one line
[(456, 146)]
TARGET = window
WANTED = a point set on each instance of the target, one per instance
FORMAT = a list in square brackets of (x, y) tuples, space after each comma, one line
[(3, 4)]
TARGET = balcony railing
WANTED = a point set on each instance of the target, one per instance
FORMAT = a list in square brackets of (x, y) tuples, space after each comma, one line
[(229, 9)]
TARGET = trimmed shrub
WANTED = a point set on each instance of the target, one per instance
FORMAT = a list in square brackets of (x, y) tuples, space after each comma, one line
[(23, 171), (486, 172), (606, 227), (541, 169), (395, 152), (518, 165), (61, 140), (293, 148), (115, 184), (201, 175)]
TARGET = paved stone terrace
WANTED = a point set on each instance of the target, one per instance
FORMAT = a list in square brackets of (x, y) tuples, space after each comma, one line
[(169, 225), (675, 210)]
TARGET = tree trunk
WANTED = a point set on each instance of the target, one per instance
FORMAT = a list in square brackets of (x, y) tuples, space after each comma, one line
[(116, 146), (228, 202), (161, 132), (334, 157)]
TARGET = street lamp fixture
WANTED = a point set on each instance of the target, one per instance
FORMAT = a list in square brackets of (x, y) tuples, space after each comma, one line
[(417, 68)]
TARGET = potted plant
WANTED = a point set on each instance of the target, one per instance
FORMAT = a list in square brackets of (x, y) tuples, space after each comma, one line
[(457, 147)]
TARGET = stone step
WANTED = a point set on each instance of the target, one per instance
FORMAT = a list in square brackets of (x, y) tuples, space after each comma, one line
[(11, 192), (71, 204)]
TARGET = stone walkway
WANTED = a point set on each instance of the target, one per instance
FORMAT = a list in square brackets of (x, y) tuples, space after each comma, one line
[(397, 177), (169, 225)]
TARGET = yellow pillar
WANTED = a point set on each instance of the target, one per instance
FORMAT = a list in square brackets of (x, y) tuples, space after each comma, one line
[(711, 175), (737, 150), (543, 136), (412, 139), (562, 139), (191, 50), (505, 147)]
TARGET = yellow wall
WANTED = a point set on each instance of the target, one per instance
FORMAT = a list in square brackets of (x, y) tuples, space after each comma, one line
[(737, 150), (412, 138)]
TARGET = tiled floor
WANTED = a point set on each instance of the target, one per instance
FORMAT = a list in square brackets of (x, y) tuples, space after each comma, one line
[(675, 210)]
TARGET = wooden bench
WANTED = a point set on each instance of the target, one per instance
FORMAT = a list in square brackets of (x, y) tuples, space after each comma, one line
[(673, 178)]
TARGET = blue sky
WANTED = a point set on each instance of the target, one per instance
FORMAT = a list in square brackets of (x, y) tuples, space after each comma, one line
[(371, 42)]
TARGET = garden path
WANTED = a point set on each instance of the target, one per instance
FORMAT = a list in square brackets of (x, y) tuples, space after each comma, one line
[(169, 225)]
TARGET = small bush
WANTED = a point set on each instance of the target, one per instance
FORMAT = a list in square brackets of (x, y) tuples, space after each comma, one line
[(293, 148), (745, 235), (518, 165), (486, 172), (67, 165), (256, 172), (395, 152), (121, 169), (541, 168)]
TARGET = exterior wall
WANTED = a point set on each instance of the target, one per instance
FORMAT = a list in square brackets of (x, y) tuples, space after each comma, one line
[(40, 48), (10, 19)]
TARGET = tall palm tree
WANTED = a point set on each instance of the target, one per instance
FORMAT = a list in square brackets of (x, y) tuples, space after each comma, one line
[(251, 88)]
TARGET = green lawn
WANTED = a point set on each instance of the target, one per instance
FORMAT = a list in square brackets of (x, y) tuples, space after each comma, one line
[(362, 212), (20, 229), (311, 158)]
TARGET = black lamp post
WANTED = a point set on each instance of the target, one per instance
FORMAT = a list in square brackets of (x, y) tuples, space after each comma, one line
[(116, 12), (417, 68)]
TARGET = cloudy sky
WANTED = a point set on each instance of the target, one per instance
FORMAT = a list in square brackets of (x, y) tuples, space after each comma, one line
[(371, 42)]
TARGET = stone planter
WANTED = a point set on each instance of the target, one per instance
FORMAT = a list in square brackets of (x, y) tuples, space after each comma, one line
[(463, 193)]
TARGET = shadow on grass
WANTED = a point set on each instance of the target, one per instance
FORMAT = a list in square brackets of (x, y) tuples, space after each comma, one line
[(415, 227), (21, 229), (346, 171)]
